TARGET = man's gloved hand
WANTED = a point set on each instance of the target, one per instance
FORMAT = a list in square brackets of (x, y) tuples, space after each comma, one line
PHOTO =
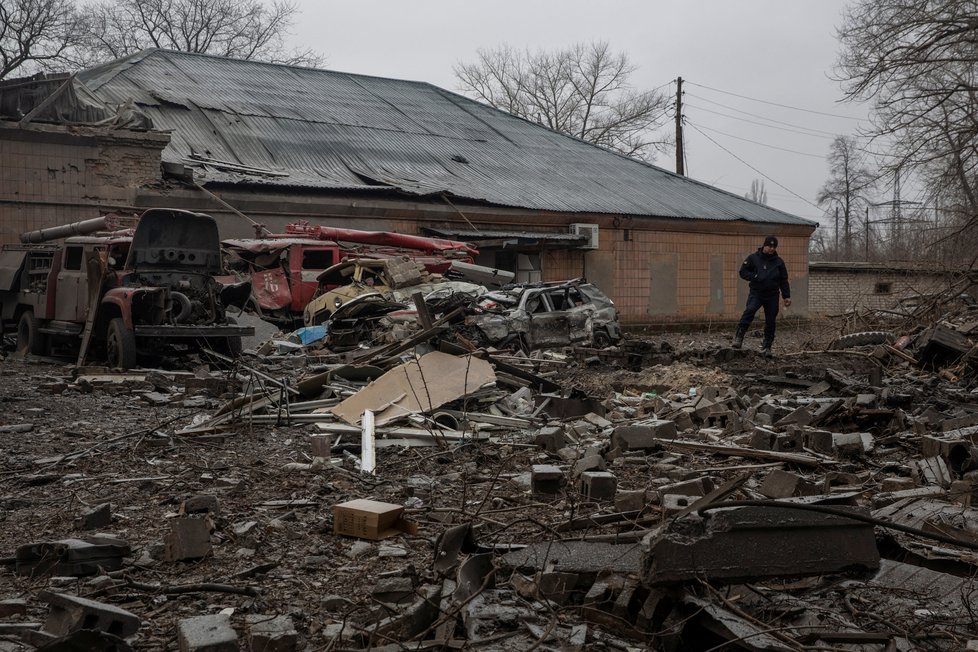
[(787, 302)]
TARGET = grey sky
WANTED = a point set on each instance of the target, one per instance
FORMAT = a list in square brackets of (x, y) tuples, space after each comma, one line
[(780, 51)]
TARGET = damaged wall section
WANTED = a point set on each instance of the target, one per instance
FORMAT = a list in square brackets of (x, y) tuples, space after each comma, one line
[(54, 174)]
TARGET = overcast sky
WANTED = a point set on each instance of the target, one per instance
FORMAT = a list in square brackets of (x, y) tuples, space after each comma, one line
[(775, 52)]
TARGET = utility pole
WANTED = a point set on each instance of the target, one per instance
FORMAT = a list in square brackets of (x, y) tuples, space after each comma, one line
[(837, 232), (867, 234), (680, 168)]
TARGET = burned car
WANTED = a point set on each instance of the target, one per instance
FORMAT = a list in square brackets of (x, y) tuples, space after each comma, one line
[(544, 315), (360, 296), (121, 291), (393, 279)]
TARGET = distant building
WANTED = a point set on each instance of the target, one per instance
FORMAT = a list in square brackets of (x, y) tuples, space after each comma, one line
[(279, 144)]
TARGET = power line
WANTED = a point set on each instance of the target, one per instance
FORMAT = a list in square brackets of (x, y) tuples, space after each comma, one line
[(783, 106), (754, 115), (761, 124), (748, 140), (783, 187)]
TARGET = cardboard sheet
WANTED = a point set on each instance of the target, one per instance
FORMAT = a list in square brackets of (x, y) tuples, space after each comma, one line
[(418, 386)]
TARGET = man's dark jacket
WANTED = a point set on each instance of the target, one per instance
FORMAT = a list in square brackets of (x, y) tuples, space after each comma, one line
[(766, 273)]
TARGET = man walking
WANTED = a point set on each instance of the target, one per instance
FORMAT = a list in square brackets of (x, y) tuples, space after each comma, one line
[(768, 278)]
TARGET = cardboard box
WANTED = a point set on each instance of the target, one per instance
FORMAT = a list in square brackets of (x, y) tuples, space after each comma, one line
[(369, 519)]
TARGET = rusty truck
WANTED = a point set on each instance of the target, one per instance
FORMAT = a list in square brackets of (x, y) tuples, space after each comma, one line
[(120, 289)]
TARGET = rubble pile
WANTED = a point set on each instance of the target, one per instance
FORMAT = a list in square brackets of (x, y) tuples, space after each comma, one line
[(424, 494)]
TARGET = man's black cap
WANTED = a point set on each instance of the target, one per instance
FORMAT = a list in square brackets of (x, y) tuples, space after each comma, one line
[(770, 241)]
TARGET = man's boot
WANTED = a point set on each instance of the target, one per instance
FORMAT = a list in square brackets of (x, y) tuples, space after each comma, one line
[(738, 340), (766, 348)]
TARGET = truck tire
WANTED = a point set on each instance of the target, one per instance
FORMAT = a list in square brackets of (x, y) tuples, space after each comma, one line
[(29, 338), (120, 345), (864, 338)]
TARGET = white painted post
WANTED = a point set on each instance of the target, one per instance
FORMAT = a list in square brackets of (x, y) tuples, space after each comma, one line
[(368, 443)]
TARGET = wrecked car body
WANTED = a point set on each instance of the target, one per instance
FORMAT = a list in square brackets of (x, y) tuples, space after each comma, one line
[(545, 316), (128, 292), (396, 279), (284, 269)]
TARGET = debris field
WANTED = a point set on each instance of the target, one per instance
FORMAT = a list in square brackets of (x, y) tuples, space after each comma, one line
[(668, 493)]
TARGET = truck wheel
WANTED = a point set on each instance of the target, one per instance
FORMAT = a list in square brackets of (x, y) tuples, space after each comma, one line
[(29, 338), (120, 345)]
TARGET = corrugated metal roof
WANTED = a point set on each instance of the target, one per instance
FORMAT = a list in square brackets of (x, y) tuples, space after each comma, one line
[(331, 130)]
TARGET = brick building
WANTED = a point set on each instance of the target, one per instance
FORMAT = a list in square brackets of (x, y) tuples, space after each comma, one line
[(279, 144)]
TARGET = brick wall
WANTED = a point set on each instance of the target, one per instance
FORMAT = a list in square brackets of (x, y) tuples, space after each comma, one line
[(51, 175), (837, 288), (692, 275)]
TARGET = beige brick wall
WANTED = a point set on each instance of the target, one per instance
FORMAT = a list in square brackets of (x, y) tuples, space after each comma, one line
[(695, 292), (838, 290), (52, 175)]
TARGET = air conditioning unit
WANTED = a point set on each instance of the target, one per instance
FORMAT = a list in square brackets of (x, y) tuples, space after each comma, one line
[(590, 231)]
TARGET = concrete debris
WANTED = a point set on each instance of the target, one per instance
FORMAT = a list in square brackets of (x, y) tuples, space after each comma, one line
[(522, 493)]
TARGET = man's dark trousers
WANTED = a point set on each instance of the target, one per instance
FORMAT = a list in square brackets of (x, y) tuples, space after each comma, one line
[(754, 303)]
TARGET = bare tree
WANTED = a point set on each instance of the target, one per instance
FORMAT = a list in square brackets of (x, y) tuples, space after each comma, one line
[(242, 29), (582, 91), (757, 193), (846, 190), (917, 61), (37, 35)]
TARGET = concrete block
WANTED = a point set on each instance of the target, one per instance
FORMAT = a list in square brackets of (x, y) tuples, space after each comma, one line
[(189, 538), (683, 420), (673, 503), (394, 590), (781, 484), (202, 504), (645, 435), (800, 416), (896, 484), (207, 634), (551, 438), (599, 485), (631, 501), (597, 420), (557, 587), (13, 607), (789, 442), (694, 487), (96, 517), (819, 440), (753, 543), (653, 611), (589, 463), (546, 480), (69, 613), (267, 633), (623, 607), (763, 439)]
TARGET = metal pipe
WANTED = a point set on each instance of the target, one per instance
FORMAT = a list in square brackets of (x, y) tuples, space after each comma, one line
[(106, 222)]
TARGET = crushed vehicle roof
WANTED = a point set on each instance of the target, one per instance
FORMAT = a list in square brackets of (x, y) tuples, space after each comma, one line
[(287, 126)]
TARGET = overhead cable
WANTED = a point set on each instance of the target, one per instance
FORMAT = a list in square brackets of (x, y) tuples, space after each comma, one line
[(779, 185), (783, 106), (757, 142)]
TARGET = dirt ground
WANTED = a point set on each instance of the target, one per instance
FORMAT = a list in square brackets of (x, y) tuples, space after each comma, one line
[(274, 551)]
